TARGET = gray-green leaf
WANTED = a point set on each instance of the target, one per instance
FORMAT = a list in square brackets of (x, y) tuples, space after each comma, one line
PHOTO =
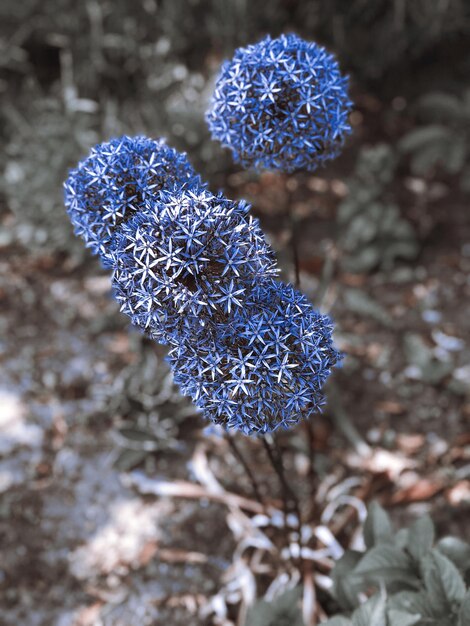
[(387, 565), (421, 538), (464, 613), (339, 620), (419, 138), (442, 106), (443, 580), (371, 612), (415, 603), (401, 618), (377, 527), (357, 301), (343, 589), (282, 611), (457, 551)]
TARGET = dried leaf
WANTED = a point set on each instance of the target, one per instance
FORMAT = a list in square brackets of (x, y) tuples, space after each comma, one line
[(183, 489), (422, 489), (459, 494)]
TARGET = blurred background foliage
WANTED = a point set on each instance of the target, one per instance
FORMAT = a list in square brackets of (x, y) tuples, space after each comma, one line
[(373, 233), (72, 74)]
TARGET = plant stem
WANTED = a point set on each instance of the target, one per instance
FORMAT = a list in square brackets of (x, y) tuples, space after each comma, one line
[(239, 456), (291, 503), (331, 255), (311, 469), (295, 250), (296, 260), (294, 242)]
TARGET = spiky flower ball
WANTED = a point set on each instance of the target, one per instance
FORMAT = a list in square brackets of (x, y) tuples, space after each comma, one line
[(116, 180), (262, 369), (188, 260), (281, 104)]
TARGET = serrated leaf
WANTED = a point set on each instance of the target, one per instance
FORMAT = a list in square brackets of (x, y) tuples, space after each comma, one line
[(371, 612), (402, 618), (464, 613), (442, 579), (377, 527), (421, 538), (385, 565), (280, 612)]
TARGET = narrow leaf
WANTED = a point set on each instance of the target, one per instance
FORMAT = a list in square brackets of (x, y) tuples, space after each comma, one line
[(377, 527), (128, 459), (421, 137), (136, 434), (421, 538), (442, 106)]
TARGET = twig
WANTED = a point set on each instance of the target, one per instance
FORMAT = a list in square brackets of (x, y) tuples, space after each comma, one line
[(187, 490), (309, 600)]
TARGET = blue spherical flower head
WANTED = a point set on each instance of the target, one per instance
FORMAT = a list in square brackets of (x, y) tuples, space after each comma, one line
[(281, 104), (189, 259), (115, 181), (263, 368)]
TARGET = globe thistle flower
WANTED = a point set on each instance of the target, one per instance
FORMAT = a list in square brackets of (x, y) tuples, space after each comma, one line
[(263, 368), (281, 104), (116, 180), (189, 259)]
